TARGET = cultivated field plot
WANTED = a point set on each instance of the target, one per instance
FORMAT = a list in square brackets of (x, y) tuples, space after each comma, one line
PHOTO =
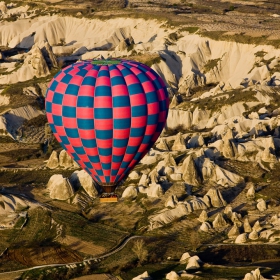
[(79, 227), (43, 255), (79, 245)]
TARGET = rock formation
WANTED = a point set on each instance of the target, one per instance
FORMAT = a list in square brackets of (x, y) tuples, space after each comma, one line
[(261, 205), (246, 225), (190, 175), (203, 217), (83, 179), (219, 221), (254, 275), (185, 257), (193, 263), (143, 276), (205, 227), (59, 188), (179, 143), (215, 198), (234, 232), (130, 192), (171, 201), (251, 191), (53, 160), (65, 160), (242, 238), (172, 276)]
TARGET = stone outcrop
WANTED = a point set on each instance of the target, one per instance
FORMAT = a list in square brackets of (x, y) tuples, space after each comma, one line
[(190, 175), (203, 217), (253, 235), (60, 188), (205, 227), (53, 160), (171, 201), (234, 232), (162, 145), (172, 276), (130, 192), (242, 238), (261, 205), (257, 227), (254, 275), (65, 160), (185, 257), (179, 143), (251, 191), (153, 190), (246, 225), (193, 263), (143, 276), (219, 221), (83, 179), (134, 175), (215, 197)]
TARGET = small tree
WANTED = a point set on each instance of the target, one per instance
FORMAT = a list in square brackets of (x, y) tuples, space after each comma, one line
[(140, 251)]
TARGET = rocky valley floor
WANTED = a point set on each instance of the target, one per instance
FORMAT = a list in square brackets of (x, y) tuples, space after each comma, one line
[(204, 203)]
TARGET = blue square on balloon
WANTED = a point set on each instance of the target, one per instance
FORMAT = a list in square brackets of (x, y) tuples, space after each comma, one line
[(82, 72), (103, 113), (114, 172), (121, 101), (88, 143), (104, 134), (88, 164), (64, 140), (106, 166), (120, 143), (85, 124), (57, 120), (103, 91), (117, 159), (72, 132), (153, 119), (66, 79), (122, 123), (125, 164), (105, 151), (151, 97), (75, 156), (118, 80), (85, 101), (53, 85), (57, 98), (48, 107), (147, 139), (131, 150), (137, 132), (99, 172), (94, 159), (88, 81), (135, 88), (72, 89), (79, 150), (69, 112), (138, 111)]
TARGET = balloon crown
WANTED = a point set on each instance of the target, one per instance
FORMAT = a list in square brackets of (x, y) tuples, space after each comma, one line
[(105, 62)]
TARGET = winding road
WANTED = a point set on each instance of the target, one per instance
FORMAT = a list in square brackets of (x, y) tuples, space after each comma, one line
[(97, 258)]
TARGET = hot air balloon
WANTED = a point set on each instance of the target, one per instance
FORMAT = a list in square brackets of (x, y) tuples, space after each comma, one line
[(107, 114)]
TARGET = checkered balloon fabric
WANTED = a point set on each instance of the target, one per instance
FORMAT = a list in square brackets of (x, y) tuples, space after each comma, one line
[(107, 114)]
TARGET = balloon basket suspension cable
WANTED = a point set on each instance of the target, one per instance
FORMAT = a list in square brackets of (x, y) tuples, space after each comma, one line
[(108, 195)]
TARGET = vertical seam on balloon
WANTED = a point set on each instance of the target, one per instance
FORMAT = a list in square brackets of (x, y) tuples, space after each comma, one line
[(130, 121), (112, 119), (95, 67), (94, 123), (129, 168), (157, 89), (86, 64), (64, 95)]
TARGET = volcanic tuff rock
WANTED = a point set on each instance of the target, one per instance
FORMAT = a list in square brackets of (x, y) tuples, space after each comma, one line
[(216, 198), (254, 275), (11, 203), (171, 201), (190, 175), (203, 217), (193, 263), (261, 205), (83, 179), (184, 257), (59, 187), (246, 225), (242, 238), (205, 227), (251, 191), (219, 221), (130, 192), (172, 276), (53, 160), (234, 232), (143, 276)]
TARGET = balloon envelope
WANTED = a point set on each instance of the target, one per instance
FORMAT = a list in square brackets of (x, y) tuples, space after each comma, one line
[(107, 115)]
